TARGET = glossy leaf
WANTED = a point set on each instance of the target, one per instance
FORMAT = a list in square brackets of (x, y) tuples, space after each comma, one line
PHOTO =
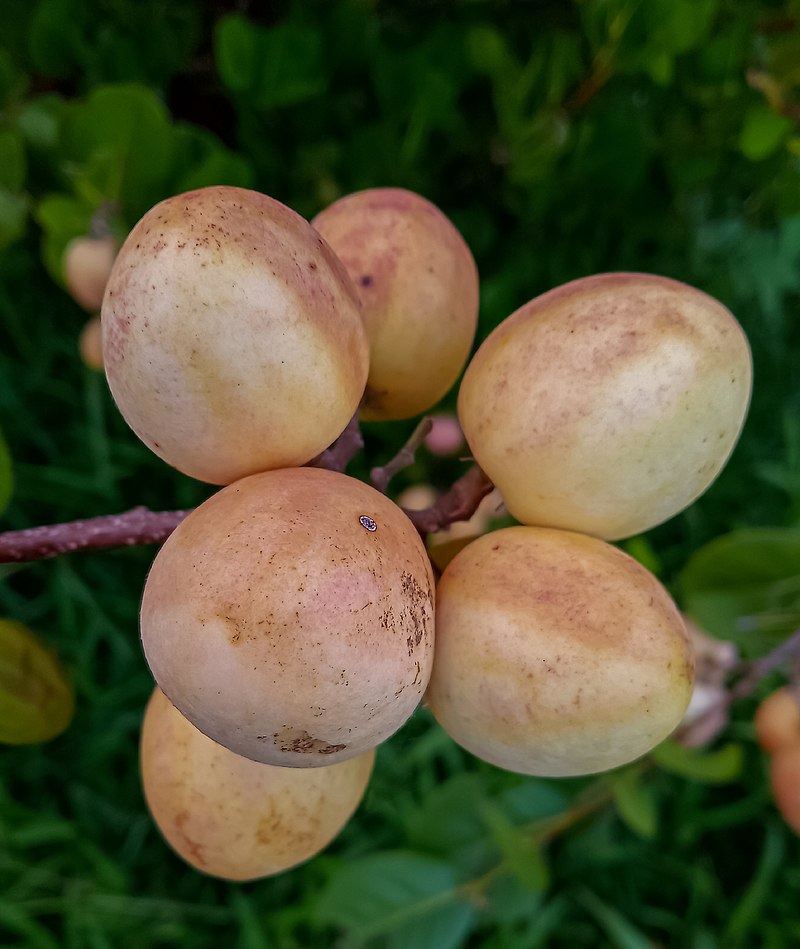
[(36, 697)]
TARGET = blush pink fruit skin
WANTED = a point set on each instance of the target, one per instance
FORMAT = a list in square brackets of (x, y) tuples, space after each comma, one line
[(232, 335), (419, 285), (234, 818), (609, 404), (556, 654), (282, 627)]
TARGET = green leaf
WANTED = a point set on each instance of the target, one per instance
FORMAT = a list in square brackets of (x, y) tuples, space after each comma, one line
[(739, 575), (6, 472), (36, 698), (410, 898), (291, 66), (236, 52), (54, 36), (747, 914), (714, 767), (763, 132), (122, 141), (449, 817), (61, 217), (620, 931), (12, 160), (520, 853), (13, 215), (635, 803)]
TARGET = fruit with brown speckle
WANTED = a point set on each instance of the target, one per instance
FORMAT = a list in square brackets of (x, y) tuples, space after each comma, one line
[(609, 404), (235, 818), (290, 617), (419, 286), (232, 335), (556, 653)]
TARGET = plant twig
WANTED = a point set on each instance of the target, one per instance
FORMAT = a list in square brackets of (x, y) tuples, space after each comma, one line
[(457, 504), (137, 526), (382, 475), (140, 525), (715, 718), (343, 450)]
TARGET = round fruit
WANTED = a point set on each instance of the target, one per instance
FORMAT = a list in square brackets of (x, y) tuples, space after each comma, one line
[(90, 345), (556, 654), (232, 335), (609, 404), (777, 721), (445, 437), (784, 773), (419, 286), (290, 617), (87, 266), (235, 818)]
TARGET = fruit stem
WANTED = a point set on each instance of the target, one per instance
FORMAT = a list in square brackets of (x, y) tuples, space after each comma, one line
[(383, 474)]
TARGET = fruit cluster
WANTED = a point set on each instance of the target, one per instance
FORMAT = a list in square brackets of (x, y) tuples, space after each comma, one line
[(290, 618)]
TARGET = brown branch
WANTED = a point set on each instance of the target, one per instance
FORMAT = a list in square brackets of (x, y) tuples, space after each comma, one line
[(382, 475), (138, 526), (343, 450), (716, 717), (457, 504)]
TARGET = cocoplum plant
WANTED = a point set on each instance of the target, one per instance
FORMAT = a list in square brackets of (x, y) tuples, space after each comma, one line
[(289, 620)]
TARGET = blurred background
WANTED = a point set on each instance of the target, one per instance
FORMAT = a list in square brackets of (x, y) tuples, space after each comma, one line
[(563, 139)]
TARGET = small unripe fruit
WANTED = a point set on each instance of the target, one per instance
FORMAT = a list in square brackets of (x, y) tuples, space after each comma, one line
[(419, 286), (232, 335), (234, 818), (556, 654), (290, 617), (607, 405), (777, 721), (87, 266), (445, 437), (90, 345), (784, 773)]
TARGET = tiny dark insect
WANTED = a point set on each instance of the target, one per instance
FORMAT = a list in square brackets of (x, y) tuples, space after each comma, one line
[(367, 522)]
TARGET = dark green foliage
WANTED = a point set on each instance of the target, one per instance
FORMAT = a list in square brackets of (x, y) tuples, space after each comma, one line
[(564, 139)]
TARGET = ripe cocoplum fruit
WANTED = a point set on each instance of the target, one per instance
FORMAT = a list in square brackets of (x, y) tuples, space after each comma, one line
[(235, 818), (777, 721), (556, 654), (419, 286), (232, 335), (784, 773), (609, 404), (87, 265), (90, 345), (290, 617)]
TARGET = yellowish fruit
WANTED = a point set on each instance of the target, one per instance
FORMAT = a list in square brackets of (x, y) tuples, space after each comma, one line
[(609, 404), (90, 345), (556, 654), (232, 335), (777, 721), (784, 772), (235, 818), (419, 286), (87, 264), (290, 617)]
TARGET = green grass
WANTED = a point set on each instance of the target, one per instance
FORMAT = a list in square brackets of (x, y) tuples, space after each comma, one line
[(445, 851)]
